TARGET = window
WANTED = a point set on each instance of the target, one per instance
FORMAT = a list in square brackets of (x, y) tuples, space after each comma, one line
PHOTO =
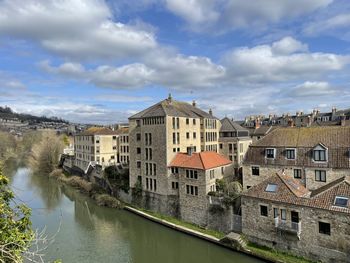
[(187, 135), (297, 173), (220, 145), (114, 147), (174, 185), (138, 136), (271, 188), (114, 137), (138, 150), (255, 170), (191, 190), (194, 135), (174, 170), (283, 214), (324, 228), (263, 210), (192, 174), (211, 174), (275, 213), (138, 164), (138, 123), (194, 121), (270, 153), (320, 154), (341, 201), (320, 175), (290, 154), (112, 157), (187, 121), (222, 170)]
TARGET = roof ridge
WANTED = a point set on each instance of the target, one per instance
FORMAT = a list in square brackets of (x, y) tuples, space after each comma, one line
[(328, 187), (200, 158)]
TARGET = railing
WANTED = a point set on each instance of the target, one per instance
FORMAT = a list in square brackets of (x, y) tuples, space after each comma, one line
[(288, 226)]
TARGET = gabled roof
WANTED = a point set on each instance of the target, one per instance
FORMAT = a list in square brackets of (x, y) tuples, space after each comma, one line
[(292, 191), (201, 161), (332, 136), (170, 107), (228, 125), (98, 131)]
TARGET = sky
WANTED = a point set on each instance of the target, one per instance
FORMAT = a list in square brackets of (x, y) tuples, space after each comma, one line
[(95, 61)]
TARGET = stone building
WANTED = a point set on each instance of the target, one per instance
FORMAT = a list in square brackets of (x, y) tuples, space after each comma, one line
[(157, 134), (194, 176), (280, 212), (123, 145), (234, 141), (98, 145), (313, 155)]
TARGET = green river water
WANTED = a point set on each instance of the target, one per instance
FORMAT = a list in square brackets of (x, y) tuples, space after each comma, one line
[(85, 232)]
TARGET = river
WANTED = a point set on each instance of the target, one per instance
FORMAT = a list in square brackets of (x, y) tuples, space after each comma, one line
[(85, 232)]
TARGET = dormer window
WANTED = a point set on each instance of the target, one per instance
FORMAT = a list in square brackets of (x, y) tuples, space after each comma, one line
[(341, 201), (320, 153), (270, 153), (290, 154)]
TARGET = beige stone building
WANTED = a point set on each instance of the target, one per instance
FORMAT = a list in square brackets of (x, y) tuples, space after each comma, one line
[(98, 145), (280, 212), (194, 176), (234, 141), (158, 133), (315, 156), (123, 145)]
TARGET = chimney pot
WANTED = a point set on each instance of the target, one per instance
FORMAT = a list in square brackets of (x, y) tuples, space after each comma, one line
[(210, 112), (194, 103)]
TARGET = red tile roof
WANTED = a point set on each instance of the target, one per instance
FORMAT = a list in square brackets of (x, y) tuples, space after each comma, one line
[(202, 160), (291, 191)]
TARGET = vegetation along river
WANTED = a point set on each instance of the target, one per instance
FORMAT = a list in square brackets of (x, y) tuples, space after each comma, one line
[(89, 233)]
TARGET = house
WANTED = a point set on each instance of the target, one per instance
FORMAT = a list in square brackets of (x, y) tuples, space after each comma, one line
[(123, 145), (315, 156), (193, 176), (234, 141), (280, 212)]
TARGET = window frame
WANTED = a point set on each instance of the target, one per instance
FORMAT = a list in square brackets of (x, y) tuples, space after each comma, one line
[(323, 231), (274, 153), (255, 167), (261, 210), (288, 150), (341, 197), (317, 149), (297, 169), (320, 176)]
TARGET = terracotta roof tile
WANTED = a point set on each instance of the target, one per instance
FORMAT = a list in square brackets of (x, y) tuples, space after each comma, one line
[(202, 160), (291, 191)]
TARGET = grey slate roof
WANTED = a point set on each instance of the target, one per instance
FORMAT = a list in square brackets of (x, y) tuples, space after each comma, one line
[(228, 125), (170, 107)]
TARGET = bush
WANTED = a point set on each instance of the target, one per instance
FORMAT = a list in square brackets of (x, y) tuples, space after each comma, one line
[(107, 200)]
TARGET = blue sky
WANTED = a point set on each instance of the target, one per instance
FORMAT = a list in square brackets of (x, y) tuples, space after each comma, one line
[(101, 61)]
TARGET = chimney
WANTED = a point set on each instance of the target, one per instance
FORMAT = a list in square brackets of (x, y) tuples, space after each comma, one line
[(210, 112), (194, 103), (334, 110), (170, 98), (342, 120), (309, 120), (189, 151), (257, 123), (290, 123)]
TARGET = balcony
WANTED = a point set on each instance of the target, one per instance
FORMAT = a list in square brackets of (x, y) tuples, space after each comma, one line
[(293, 228)]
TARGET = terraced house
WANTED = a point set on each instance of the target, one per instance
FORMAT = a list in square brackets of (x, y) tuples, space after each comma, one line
[(315, 156), (280, 212), (157, 134)]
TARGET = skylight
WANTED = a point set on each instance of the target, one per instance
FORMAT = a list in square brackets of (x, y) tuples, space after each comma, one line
[(341, 201), (271, 188)]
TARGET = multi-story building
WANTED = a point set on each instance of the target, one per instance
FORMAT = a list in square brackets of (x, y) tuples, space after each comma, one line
[(123, 141), (98, 145), (195, 175), (234, 141), (281, 213), (158, 133), (315, 156)]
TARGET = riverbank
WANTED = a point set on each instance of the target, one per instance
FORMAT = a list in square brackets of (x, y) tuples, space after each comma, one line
[(92, 190)]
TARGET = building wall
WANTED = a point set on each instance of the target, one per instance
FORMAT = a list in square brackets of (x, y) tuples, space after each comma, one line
[(123, 144), (307, 174), (237, 151), (312, 244)]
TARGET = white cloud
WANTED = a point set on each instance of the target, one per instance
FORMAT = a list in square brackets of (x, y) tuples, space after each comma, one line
[(73, 28), (327, 26), (263, 64), (313, 89), (223, 15)]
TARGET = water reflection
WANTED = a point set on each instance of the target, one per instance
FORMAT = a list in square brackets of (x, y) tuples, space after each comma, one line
[(90, 233)]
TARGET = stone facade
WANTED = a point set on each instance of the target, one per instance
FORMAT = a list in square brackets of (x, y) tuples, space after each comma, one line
[(123, 145), (310, 243)]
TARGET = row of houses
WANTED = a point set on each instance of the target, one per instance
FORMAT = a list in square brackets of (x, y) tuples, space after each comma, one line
[(295, 179)]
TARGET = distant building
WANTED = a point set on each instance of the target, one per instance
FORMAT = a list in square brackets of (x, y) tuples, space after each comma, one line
[(123, 141), (98, 145), (315, 156), (280, 212)]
